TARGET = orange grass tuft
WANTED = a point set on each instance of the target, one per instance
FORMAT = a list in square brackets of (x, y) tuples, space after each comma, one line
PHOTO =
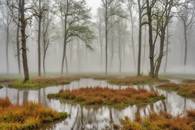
[(169, 86), (29, 116), (119, 98), (162, 121)]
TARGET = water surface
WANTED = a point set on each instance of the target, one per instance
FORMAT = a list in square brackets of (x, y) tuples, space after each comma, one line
[(90, 118)]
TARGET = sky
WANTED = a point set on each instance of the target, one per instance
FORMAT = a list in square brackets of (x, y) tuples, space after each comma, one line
[(94, 4)]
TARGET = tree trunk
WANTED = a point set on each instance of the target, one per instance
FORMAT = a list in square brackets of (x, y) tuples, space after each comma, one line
[(140, 40), (18, 40), (186, 45), (132, 34), (106, 37), (39, 40), (144, 47), (161, 53), (7, 46), (46, 44), (151, 46), (120, 50), (23, 35), (100, 41), (64, 57), (112, 48), (167, 50), (44, 60)]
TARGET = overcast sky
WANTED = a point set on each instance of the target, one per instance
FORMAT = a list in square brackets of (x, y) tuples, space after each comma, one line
[(94, 4)]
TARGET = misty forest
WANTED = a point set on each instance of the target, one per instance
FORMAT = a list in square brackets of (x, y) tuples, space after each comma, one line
[(97, 65)]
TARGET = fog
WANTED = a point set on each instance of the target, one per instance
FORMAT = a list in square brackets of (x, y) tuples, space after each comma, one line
[(82, 59)]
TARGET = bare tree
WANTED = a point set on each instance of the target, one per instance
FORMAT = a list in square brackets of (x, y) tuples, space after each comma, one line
[(75, 16), (18, 38), (23, 23), (186, 14), (100, 32), (158, 12), (111, 8), (45, 34), (25, 16), (131, 4), (141, 15), (39, 9), (7, 20)]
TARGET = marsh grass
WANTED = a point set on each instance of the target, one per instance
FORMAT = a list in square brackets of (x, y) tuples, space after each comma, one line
[(162, 121), (169, 86), (29, 116), (133, 80), (98, 96), (38, 83), (185, 89)]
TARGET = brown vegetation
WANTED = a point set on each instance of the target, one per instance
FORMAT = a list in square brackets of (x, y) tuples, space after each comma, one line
[(162, 121), (26, 117), (134, 80), (187, 90), (105, 96), (169, 86)]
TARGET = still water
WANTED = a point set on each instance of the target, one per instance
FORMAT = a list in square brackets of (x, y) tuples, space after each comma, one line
[(102, 118)]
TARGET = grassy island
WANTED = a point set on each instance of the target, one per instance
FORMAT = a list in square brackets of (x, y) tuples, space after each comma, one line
[(106, 96), (29, 116), (162, 121)]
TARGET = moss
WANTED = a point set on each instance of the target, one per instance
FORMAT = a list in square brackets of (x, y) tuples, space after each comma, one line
[(105, 96), (40, 82), (135, 80), (29, 116)]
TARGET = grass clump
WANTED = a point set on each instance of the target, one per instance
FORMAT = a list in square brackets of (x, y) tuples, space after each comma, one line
[(40, 83), (104, 96), (135, 80), (162, 121), (187, 90), (169, 86), (29, 116)]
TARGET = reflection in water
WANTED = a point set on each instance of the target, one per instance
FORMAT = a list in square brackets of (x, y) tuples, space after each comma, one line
[(102, 118)]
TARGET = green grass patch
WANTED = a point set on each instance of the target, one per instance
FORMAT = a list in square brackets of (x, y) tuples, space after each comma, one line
[(104, 96), (40, 82)]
